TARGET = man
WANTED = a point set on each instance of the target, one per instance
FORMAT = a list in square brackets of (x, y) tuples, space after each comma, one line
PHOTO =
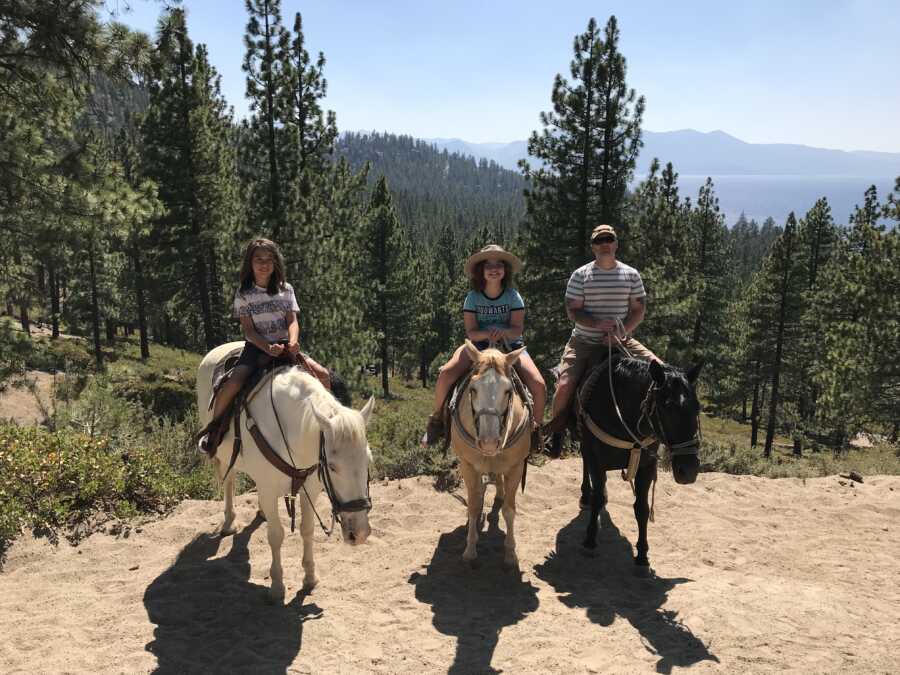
[(598, 296)]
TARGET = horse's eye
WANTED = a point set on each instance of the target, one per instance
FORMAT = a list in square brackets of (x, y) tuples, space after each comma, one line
[(332, 467)]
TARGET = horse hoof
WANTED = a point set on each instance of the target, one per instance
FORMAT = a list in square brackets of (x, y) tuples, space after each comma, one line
[(511, 565), (643, 571), (227, 530), (260, 515), (275, 597), (309, 584), (584, 503)]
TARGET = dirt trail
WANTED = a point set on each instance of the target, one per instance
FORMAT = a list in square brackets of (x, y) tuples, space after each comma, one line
[(752, 575)]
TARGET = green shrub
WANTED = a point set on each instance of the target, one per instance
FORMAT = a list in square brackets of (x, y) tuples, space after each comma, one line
[(160, 396), (68, 355), (52, 481)]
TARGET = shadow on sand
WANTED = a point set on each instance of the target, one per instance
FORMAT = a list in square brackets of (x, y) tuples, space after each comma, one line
[(474, 604), (604, 584), (210, 618)]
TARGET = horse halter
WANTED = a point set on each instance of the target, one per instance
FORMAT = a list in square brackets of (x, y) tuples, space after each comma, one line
[(337, 506), (489, 412), (650, 412)]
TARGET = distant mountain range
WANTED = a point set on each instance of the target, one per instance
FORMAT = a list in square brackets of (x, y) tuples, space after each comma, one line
[(715, 154)]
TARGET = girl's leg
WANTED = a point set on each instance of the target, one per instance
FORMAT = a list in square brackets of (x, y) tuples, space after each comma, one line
[(449, 373), (229, 390), (532, 378)]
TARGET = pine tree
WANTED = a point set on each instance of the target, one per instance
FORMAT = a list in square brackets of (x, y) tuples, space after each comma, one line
[(267, 45), (388, 251), (586, 154)]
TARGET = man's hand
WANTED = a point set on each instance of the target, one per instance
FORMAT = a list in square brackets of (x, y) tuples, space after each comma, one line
[(606, 325)]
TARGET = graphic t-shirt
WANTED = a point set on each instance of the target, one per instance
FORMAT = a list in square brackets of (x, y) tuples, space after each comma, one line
[(494, 311), (267, 311)]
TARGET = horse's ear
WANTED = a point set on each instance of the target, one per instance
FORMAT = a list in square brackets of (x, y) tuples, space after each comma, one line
[(324, 422), (513, 356), (694, 373), (657, 373), (366, 412), (472, 351)]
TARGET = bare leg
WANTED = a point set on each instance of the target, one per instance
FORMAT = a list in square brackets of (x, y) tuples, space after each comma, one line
[(229, 390), (475, 500), (512, 480), (269, 504), (532, 378), (449, 373), (307, 530)]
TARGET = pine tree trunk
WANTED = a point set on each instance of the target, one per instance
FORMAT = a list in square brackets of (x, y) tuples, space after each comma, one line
[(53, 284), (384, 368), (110, 330), (754, 410), (95, 308), (23, 318), (776, 375), (139, 300), (423, 370)]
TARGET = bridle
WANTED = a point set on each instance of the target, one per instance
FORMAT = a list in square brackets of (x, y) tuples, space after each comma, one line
[(650, 413), (337, 506), (489, 412)]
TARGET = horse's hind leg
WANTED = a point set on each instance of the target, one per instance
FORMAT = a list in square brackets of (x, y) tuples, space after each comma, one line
[(585, 501), (268, 502), (475, 502), (512, 479), (307, 530), (228, 490), (642, 482)]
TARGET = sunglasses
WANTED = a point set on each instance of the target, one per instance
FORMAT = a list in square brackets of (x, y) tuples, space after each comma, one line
[(603, 240)]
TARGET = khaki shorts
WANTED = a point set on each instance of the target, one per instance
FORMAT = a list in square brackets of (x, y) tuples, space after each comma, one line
[(578, 354)]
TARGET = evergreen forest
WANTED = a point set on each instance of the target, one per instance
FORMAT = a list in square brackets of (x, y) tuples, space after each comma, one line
[(128, 191)]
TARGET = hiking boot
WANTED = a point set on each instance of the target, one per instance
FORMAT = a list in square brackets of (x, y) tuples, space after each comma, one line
[(434, 430)]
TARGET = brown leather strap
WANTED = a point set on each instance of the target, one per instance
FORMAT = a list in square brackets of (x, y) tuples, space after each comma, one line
[(297, 476)]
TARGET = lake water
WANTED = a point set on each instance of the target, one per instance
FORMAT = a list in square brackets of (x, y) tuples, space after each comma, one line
[(762, 196)]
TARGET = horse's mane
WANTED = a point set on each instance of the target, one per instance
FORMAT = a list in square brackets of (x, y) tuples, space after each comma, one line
[(490, 358), (347, 424), (639, 369)]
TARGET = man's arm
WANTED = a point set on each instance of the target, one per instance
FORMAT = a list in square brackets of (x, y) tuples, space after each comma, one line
[(637, 307), (576, 312)]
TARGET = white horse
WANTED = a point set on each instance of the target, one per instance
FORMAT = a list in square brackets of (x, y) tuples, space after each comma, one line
[(290, 411), (491, 433)]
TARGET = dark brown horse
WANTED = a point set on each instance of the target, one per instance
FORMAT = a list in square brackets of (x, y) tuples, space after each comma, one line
[(656, 405)]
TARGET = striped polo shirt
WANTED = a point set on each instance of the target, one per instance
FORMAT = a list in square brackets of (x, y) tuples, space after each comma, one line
[(605, 293)]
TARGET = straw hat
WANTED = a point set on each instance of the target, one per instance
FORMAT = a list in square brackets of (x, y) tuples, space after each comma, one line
[(492, 251)]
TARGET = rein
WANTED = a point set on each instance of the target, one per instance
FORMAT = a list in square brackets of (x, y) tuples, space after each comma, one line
[(298, 476)]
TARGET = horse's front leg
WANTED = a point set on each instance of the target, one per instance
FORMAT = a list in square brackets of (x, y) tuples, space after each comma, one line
[(228, 490), (268, 502), (642, 481), (512, 479), (597, 478), (475, 503), (307, 530)]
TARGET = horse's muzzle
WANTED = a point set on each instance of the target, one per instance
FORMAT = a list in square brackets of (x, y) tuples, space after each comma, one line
[(685, 469), (355, 528), (490, 447)]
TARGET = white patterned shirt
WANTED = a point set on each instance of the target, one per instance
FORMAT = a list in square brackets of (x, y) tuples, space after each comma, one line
[(268, 312), (606, 294)]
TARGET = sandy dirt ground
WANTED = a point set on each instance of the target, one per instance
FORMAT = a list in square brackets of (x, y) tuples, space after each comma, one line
[(19, 404), (751, 575)]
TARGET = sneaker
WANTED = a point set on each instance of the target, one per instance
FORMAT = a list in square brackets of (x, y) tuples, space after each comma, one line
[(203, 443)]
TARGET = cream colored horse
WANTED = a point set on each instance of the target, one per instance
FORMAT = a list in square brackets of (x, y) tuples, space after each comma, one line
[(491, 433), (304, 408)]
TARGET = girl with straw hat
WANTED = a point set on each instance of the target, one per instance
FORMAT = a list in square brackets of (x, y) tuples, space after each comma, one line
[(494, 315)]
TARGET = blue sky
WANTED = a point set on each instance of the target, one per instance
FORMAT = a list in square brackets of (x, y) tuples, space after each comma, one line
[(821, 73)]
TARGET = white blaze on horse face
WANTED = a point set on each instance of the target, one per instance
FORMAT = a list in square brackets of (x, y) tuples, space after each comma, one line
[(489, 407)]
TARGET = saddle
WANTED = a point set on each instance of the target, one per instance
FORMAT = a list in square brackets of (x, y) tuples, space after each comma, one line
[(217, 428)]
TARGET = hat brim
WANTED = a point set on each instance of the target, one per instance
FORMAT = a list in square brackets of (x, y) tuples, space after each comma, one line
[(514, 263)]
